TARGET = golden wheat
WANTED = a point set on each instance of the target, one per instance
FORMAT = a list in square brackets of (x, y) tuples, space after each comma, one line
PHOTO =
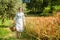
[(43, 26)]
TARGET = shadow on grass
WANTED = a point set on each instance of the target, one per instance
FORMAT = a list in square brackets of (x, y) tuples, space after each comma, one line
[(13, 38), (3, 26), (10, 38)]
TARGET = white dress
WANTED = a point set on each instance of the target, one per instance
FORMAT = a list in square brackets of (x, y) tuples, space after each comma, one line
[(19, 18)]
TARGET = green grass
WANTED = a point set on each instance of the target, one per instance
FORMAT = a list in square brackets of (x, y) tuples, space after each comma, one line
[(4, 32), (5, 24)]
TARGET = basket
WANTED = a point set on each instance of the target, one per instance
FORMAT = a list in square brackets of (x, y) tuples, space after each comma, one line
[(12, 27)]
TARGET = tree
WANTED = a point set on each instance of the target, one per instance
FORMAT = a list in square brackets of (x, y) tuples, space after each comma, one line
[(8, 8), (37, 6)]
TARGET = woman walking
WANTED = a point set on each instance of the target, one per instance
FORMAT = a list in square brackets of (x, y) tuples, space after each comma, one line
[(19, 19)]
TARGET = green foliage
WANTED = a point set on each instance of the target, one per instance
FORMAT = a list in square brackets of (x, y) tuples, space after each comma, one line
[(57, 8), (8, 8), (4, 32), (7, 23), (46, 11), (34, 4), (39, 6)]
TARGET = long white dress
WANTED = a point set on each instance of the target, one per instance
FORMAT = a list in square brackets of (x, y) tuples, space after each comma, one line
[(19, 18)]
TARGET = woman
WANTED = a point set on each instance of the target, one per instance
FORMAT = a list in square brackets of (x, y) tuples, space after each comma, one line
[(19, 19)]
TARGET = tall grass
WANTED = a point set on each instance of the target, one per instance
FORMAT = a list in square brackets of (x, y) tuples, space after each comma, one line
[(45, 28), (41, 28)]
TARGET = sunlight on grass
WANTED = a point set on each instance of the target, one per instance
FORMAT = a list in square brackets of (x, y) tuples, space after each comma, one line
[(4, 32)]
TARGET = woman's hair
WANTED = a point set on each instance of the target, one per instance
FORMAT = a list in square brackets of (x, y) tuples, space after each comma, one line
[(20, 8)]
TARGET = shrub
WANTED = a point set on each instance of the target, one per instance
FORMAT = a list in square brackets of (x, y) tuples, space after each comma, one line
[(46, 11), (57, 8)]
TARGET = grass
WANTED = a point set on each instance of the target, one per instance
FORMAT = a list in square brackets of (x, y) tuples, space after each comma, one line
[(6, 34), (43, 27), (3, 32), (36, 28)]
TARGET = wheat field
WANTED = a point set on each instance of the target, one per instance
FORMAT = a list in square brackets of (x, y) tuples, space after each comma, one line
[(43, 26)]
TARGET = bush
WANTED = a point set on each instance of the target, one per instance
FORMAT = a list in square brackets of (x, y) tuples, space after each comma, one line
[(7, 23), (57, 8), (46, 11)]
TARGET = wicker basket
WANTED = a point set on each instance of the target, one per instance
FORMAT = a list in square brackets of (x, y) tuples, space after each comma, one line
[(12, 27)]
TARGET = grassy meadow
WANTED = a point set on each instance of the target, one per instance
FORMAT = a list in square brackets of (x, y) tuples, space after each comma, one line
[(36, 28)]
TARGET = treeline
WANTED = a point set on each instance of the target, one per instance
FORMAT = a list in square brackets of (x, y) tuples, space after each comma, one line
[(43, 7)]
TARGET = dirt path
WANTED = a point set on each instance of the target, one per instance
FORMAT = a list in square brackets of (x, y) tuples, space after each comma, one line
[(13, 36)]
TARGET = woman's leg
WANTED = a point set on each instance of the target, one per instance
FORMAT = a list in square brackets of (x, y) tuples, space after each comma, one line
[(18, 34)]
